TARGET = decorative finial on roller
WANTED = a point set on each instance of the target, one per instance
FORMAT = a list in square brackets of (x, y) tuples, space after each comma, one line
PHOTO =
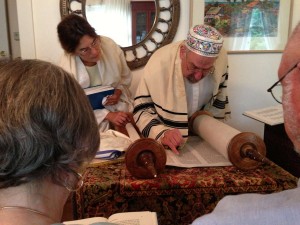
[(247, 151), (145, 158)]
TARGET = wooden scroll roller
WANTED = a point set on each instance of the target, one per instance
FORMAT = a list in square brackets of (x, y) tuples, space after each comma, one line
[(245, 150), (145, 158)]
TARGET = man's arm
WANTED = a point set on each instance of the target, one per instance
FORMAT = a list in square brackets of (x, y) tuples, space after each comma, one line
[(149, 124), (144, 113)]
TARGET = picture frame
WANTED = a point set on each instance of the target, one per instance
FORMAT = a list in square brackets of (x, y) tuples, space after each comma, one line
[(242, 33)]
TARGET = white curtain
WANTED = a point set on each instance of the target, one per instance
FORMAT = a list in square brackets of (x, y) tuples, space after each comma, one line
[(111, 18)]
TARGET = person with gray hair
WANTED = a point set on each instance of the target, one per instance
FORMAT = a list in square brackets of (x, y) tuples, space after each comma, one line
[(276, 208), (180, 79), (48, 133)]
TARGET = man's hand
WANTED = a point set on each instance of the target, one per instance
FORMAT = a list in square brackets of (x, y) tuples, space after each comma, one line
[(118, 118), (173, 139)]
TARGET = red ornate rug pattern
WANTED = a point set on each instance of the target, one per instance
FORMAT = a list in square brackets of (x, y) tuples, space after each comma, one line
[(178, 195)]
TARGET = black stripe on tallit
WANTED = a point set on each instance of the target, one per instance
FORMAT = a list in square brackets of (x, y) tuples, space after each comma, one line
[(152, 104), (220, 104), (146, 130), (142, 107)]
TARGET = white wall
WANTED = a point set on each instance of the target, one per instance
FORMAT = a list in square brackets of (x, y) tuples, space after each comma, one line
[(13, 28), (3, 27), (250, 74), (26, 29), (295, 17)]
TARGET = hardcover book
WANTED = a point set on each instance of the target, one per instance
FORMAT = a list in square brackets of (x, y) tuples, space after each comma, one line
[(97, 95)]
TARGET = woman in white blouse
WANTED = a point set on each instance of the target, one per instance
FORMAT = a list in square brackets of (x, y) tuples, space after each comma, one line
[(97, 60)]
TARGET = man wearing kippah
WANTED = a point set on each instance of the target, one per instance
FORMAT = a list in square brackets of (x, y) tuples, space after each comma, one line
[(180, 79)]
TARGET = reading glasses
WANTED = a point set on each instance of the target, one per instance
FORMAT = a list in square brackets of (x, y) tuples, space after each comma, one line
[(87, 50), (276, 90), (193, 69)]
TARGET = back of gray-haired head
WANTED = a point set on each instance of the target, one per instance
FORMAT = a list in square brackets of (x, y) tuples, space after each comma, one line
[(47, 125)]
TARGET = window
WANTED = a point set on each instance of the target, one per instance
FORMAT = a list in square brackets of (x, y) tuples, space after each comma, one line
[(143, 15)]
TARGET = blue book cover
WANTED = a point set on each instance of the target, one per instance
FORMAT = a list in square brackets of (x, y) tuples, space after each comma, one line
[(96, 95)]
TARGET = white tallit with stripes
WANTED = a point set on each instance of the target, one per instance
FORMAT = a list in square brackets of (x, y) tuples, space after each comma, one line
[(160, 101)]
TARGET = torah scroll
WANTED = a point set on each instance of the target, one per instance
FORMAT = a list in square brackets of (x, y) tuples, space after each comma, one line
[(243, 149)]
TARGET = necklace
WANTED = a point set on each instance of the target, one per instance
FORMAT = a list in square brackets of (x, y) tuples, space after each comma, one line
[(26, 209)]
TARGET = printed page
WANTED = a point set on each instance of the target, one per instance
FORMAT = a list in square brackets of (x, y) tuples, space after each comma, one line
[(87, 221), (96, 89), (270, 115), (134, 218), (196, 153)]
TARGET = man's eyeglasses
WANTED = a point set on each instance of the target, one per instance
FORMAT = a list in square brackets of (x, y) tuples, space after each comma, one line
[(193, 69), (276, 90), (87, 50)]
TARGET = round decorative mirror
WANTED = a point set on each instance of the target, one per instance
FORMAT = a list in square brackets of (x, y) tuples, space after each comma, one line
[(150, 25)]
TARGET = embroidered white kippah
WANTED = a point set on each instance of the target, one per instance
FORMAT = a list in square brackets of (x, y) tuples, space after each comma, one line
[(204, 40)]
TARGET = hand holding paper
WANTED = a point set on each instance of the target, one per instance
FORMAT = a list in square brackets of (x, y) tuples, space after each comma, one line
[(114, 98)]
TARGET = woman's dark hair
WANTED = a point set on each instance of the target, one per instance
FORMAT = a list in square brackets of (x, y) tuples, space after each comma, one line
[(47, 125), (71, 29)]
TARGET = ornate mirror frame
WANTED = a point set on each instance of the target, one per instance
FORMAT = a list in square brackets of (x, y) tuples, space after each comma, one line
[(162, 32)]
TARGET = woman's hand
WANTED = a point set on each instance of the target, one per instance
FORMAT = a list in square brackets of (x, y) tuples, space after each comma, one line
[(114, 99), (118, 118)]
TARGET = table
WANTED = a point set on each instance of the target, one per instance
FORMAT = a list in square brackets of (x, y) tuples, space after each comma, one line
[(178, 195)]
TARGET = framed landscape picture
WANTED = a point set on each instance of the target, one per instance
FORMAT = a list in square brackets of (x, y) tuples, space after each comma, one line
[(246, 25)]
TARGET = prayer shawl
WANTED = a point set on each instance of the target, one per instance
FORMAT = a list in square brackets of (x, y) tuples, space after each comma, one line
[(113, 70), (160, 103)]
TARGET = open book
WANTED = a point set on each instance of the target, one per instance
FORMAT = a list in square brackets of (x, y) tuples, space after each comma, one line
[(126, 218), (270, 115), (97, 95)]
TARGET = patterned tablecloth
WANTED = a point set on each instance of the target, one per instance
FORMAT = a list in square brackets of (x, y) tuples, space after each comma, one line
[(178, 195)]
